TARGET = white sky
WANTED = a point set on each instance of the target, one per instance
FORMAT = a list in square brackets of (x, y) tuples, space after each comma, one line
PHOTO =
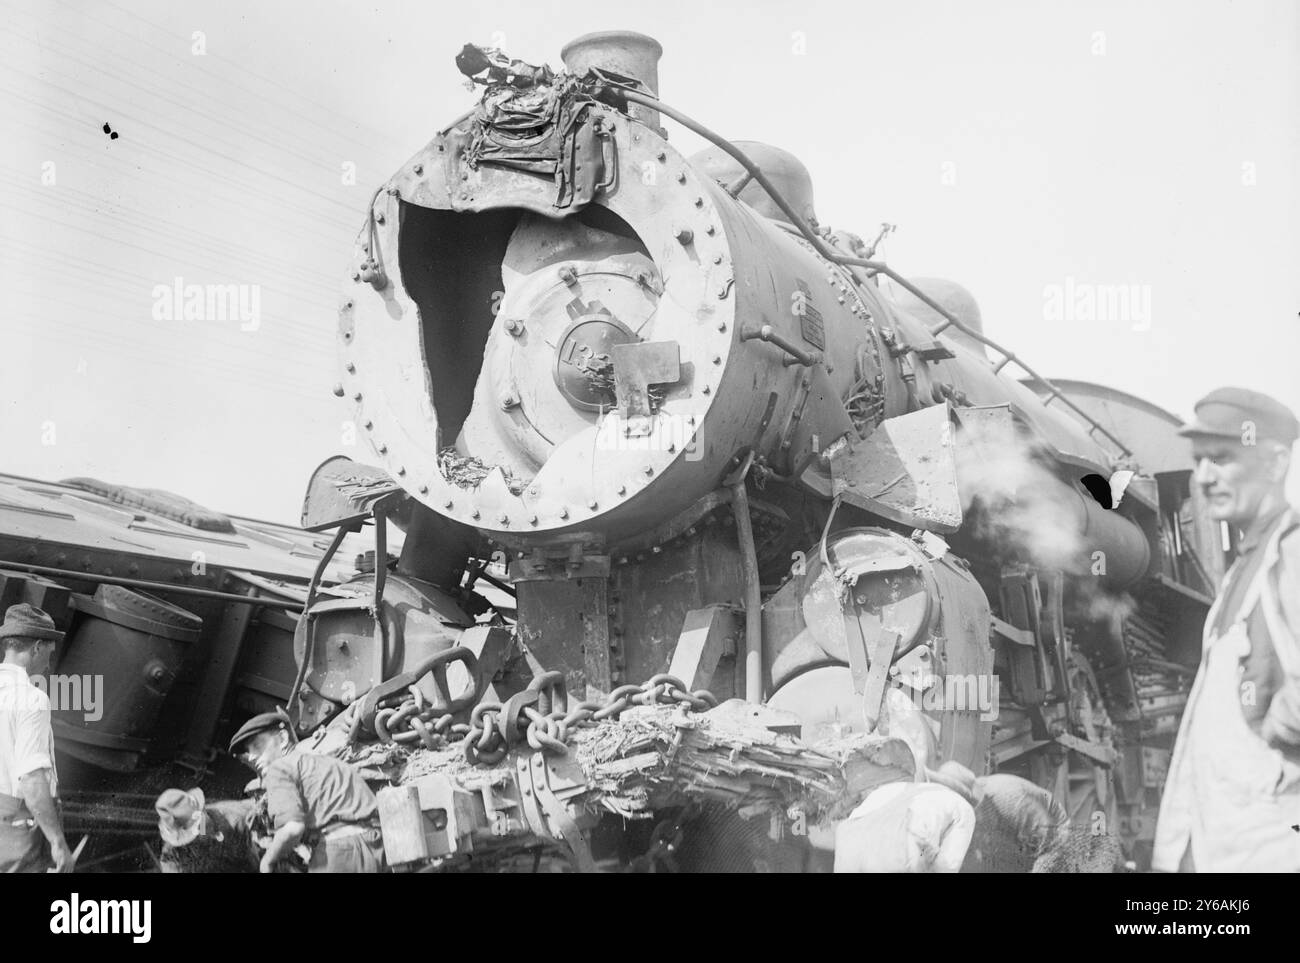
[(1108, 143)]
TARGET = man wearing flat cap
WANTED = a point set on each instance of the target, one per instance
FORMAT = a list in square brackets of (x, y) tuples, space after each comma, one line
[(311, 798), (1232, 796), (31, 830)]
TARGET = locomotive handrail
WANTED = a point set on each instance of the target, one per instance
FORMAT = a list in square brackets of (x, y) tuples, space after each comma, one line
[(307, 623), (822, 248)]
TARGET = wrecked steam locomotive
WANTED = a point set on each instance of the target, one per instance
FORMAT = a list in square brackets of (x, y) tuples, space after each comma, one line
[(714, 446), (713, 439)]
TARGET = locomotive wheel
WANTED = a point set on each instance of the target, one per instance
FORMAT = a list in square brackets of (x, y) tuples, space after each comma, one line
[(1084, 786)]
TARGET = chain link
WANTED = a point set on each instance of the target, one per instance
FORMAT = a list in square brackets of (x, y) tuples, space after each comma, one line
[(415, 720), (540, 715)]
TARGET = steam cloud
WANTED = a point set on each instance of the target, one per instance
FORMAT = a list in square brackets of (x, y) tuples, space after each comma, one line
[(1018, 508)]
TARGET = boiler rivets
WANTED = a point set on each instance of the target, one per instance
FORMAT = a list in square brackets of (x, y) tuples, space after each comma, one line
[(568, 275), (722, 325), (648, 470), (622, 489), (705, 390), (717, 259), (508, 401), (424, 489), (592, 504), (447, 504), (717, 359), (564, 513), (710, 230), (356, 396), (401, 471), (474, 514), (699, 202), (661, 156), (514, 326), (419, 169), (338, 391), (383, 449), (681, 178), (351, 368), (503, 519), (532, 519), (368, 424), (684, 235)]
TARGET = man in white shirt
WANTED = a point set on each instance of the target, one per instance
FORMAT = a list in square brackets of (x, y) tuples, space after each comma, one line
[(31, 831)]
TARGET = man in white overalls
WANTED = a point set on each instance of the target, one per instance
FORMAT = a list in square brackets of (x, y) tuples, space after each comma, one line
[(1232, 797)]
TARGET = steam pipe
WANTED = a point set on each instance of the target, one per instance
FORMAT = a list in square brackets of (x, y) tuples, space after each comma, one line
[(308, 623), (753, 591), (797, 354)]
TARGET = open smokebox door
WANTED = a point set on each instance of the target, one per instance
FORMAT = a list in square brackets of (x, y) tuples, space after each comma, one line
[(905, 471)]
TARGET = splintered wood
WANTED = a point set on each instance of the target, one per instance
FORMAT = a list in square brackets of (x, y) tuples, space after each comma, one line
[(739, 754)]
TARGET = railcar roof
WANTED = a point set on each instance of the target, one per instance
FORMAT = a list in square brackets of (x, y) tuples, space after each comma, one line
[(57, 513)]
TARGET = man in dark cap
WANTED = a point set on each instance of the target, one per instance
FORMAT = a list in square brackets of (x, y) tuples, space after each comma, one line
[(311, 798), (1232, 796), (31, 831)]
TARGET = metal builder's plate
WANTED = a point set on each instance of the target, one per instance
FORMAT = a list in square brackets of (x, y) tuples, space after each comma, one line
[(905, 471)]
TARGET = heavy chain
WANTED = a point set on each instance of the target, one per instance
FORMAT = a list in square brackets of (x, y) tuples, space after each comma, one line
[(415, 720), (540, 715)]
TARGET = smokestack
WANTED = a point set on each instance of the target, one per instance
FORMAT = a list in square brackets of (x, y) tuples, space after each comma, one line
[(622, 52)]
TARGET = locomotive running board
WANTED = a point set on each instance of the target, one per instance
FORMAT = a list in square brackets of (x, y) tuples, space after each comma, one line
[(904, 471)]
